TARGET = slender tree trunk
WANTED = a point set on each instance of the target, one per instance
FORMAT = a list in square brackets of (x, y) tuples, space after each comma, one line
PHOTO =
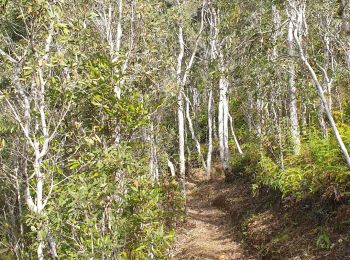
[(223, 122), (211, 124), (276, 19), (210, 132), (345, 15), (217, 54), (323, 99), (181, 128), (171, 168), (293, 111), (321, 120), (234, 135), (277, 122), (180, 112), (181, 80), (193, 135), (326, 82)]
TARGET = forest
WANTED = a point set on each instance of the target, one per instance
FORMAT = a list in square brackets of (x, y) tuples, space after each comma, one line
[(174, 129)]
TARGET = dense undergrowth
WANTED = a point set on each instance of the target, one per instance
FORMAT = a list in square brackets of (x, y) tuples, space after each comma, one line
[(319, 169), (302, 201), (94, 214)]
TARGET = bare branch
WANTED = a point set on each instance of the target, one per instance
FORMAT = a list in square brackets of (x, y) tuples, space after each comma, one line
[(3, 53)]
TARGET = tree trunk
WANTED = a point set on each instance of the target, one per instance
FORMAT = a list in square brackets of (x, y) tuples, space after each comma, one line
[(193, 135), (210, 132), (345, 15), (223, 123), (181, 126), (293, 111), (234, 135)]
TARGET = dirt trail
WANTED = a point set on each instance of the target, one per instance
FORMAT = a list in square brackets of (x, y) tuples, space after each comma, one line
[(223, 214), (208, 234)]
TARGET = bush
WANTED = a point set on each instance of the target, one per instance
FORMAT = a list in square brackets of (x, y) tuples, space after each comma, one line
[(110, 210), (244, 165), (319, 169), (319, 166)]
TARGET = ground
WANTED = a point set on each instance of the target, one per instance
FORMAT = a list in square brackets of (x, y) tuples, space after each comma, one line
[(208, 233), (227, 221)]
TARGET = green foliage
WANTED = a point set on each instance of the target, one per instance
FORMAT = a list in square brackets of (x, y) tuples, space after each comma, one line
[(323, 240), (103, 202), (266, 175), (319, 165), (245, 165), (109, 209)]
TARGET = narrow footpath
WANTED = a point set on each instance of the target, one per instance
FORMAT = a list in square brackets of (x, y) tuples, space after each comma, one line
[(226, 221), (208, 233)]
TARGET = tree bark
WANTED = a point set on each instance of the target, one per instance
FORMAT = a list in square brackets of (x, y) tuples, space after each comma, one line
[(345, 15), (223, 122), (234, 135), (293, 111), (210, 131), (217, 53)]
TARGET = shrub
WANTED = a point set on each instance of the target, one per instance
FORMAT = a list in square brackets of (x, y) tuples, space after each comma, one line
[(110, 210), (319, 166), (244, 165)]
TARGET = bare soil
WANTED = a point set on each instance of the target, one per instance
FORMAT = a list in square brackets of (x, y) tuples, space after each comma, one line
[(227, 221), (208, 232)]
